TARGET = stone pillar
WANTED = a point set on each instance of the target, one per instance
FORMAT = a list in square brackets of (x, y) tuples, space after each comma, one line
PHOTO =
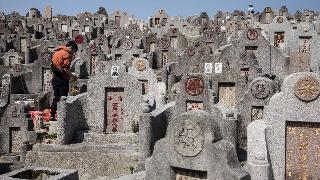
[(145, 140), (61, 121), (258, 164), (27, 56), (145, 134), (24, 150), (231, 126)]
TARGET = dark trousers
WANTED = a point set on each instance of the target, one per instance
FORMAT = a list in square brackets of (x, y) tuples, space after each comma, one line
[(60, 88)]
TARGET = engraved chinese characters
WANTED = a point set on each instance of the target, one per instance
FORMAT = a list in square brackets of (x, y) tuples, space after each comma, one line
[(114, 110), (188, 138), (252, 34), (46, 80), (302, 150), (260, 89), (307, 89), (194, 86)]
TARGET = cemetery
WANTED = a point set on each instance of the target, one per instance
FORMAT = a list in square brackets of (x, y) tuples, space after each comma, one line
[(233, 96)]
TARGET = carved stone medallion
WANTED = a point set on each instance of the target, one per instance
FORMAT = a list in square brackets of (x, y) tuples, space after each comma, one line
[(93, 49), (188, 139), (252, 34), (268, 10), (260, 89), (210, 35), (280, 19), (100, 38), (164, 44), (79, 39), (190, 51), (306, 28), (17, 68), (140, 66), (194, 86), (203, 51), (14, 111), (127, 45), (307, 89)]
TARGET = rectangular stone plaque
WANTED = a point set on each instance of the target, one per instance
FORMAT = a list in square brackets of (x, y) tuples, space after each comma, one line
[(152, 47), (75, 33), (46, 79), (145, 88), (302, 150), (174, 42), (12, 60), (117, 20), (194, 105), (114, 113), (93, 64), (227, 94), (278, 38), (188, 174), (64, 28), (304, 44), (165, 57), (256, 112), (15, 140), (23, 44)]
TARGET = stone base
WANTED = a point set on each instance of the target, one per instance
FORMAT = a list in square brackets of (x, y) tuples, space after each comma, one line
[(259, 171), (99, 138), (90, 160)]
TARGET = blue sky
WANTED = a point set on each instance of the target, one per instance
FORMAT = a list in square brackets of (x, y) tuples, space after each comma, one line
[(144, 8)]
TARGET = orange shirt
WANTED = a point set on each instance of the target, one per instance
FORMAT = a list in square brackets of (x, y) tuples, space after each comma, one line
[(62, 58)]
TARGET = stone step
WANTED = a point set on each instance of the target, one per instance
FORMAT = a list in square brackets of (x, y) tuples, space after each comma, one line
[(100, 138), (80, 147)]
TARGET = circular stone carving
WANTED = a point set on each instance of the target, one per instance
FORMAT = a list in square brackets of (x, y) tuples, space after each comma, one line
[(140, 65), (101, 38), (306, 28), (210, 35), (164, 44), (17, 68), (188, 139), (79, 39), (194, 86), (191, 51), (268, 10), (14, 111), (252, 34), (93, 49), (307, 88), (280, 19), (203, 51), (127, 45), (260, 89)]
